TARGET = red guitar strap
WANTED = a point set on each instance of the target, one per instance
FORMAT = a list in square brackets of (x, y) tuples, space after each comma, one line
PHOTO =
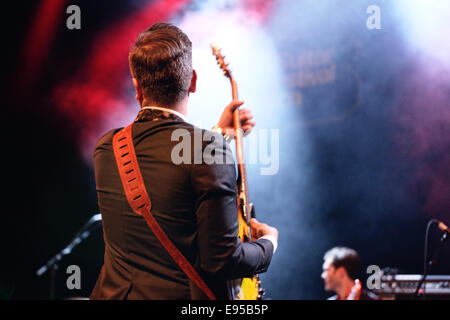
[(139, 201)]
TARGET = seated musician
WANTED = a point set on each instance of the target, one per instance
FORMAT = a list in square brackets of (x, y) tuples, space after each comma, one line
[(341, 269)]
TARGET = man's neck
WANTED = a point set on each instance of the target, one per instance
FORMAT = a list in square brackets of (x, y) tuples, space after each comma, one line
[(344, 289), (180, 107)]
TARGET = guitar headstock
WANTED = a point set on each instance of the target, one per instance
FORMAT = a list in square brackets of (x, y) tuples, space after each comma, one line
[(221, 61)]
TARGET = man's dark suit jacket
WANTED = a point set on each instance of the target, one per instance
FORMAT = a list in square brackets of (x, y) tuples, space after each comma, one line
[(195, 204)]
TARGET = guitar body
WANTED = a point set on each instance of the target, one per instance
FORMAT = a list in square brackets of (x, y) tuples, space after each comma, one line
[(249, 288)]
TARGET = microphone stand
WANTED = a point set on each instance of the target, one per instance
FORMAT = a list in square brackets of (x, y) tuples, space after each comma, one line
[(430, 264), (52, 264)]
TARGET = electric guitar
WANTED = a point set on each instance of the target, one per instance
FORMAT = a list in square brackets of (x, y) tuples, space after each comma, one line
[(245, 288)]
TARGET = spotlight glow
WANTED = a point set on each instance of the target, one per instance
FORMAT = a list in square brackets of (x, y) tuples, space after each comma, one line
[(426, 26)]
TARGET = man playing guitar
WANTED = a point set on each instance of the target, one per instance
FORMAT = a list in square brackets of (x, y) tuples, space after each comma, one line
[(194, 204)]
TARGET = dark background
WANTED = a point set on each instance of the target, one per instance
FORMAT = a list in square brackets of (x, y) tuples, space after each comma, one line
[(361, 181)]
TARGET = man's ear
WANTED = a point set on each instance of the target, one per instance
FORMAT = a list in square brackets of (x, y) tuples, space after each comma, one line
[(139, 91), (341, 272), (193, 86)]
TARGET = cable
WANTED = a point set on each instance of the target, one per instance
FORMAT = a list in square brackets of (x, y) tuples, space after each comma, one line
[(425, 255)]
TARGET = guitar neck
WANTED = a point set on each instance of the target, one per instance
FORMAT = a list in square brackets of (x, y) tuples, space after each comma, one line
[(240, 156)]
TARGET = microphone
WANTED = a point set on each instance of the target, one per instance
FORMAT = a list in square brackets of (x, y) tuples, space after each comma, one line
[(443, 227)]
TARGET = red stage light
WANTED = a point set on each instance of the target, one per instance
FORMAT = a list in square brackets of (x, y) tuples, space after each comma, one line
[(94, 93), (38, 41)]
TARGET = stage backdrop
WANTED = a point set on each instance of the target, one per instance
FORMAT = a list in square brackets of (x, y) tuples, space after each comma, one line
[(353, 133)]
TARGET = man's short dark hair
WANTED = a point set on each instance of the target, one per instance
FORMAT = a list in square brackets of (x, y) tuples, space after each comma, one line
[(346, 258), (161, 61)]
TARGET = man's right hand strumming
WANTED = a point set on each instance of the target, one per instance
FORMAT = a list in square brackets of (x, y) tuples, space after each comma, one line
[(262, 229)]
